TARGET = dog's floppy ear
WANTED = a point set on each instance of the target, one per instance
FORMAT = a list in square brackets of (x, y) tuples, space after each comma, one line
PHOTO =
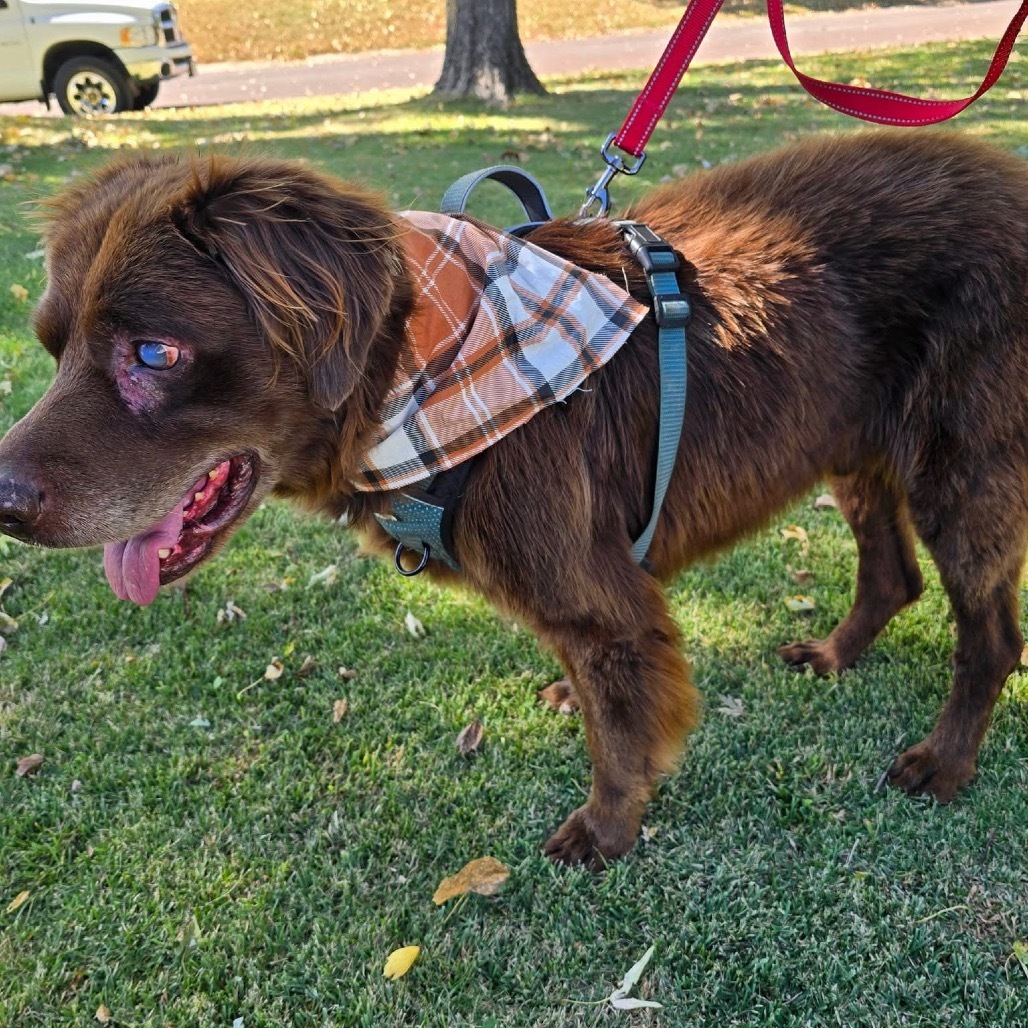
[(316, 261)]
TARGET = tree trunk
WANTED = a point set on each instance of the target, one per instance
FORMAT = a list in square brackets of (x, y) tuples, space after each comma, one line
[(484, 56)]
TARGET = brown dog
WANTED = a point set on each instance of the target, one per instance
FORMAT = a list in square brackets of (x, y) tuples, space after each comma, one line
[(860, 311)]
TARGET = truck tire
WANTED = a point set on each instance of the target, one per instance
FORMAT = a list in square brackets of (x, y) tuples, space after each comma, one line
[(91, 85), (146, 96)]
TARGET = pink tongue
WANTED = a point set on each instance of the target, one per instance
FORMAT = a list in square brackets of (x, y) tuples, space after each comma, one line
[(133, 568)]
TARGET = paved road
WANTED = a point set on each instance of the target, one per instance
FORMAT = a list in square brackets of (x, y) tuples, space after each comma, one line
[(729, 39)]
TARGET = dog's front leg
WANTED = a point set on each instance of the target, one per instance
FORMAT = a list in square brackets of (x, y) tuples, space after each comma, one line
[(638, 705)]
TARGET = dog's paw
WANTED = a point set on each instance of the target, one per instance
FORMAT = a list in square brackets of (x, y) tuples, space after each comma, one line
[(922, 771), (577, 841), (813, 652), (560, 696)]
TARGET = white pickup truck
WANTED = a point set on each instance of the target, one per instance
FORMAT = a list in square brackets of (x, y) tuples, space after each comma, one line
[(95, 57)]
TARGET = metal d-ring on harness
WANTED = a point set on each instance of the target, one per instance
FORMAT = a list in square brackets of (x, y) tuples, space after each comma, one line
[(421, 519)]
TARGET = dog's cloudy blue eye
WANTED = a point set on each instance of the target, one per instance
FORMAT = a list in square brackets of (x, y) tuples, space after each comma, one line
[(158, 356)]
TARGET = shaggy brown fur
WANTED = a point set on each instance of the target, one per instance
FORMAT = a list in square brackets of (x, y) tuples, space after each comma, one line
[(860, 311)]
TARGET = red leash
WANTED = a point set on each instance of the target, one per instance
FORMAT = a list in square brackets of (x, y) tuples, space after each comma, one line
[(878, 105)]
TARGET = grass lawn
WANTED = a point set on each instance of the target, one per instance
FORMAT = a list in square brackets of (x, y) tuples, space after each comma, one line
[(206, 846), (223, 30)]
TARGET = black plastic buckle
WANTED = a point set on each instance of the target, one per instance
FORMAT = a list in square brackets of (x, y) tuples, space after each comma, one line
[(652, 253)]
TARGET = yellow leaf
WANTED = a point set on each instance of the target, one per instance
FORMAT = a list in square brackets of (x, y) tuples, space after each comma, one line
[(485, 876), (18, 901), (795, 532), (20, 293), (400, 961), (274, 669), (800, 604), (339, 709), (103, 1015)]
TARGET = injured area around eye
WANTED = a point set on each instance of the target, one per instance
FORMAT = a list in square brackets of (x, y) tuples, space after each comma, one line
[(138, 567)]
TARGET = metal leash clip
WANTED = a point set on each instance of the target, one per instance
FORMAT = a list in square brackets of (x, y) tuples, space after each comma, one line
[(615, 165)]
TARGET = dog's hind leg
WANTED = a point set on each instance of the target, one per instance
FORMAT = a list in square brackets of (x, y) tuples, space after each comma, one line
[(978, 543), (888, 577), (637, 702)]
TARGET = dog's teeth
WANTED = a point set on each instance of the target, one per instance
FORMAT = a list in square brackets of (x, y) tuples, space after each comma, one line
[(163, 554), (212, 474), (197, 496)]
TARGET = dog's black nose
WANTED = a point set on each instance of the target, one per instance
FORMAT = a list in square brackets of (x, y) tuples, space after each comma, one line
[(20, 505)]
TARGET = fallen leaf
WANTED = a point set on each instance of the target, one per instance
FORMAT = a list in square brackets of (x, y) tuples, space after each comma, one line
[(1021, 955), (20, 293), (29, 765), (400, 961), (199, 722), (801, 576), (649, 834), (485, 876), (7, 623), (347, 674), (800, 604), (103, 1015), (308, 665), (800, 535), (619, 999), (274, 670), (230, 612), (731, 706), (326, 577), (1024, 657), (469, 738), (414, 626), (339, 709), (826, 501), (5, 585), (18, 901)]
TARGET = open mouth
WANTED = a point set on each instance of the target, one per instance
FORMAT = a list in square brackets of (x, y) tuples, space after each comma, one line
[(138, 567)]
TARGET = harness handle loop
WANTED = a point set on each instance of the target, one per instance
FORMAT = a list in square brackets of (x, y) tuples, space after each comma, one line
[(527, 191)]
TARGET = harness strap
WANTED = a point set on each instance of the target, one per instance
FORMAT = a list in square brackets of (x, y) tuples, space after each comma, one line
[(525, 188), (672, 310)]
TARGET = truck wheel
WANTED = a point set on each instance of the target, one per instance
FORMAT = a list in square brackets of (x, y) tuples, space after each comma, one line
[(145, 96), (90, 85)]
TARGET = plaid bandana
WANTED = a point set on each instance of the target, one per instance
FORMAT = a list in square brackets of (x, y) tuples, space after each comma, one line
[(501, 330)]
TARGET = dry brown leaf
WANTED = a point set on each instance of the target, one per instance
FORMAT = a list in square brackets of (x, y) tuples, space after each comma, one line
[(308, 665), (1024, 657), (29, 765), (7, 623), (347, 674), (400, 961), (470, 737), (826, 501), (103, 1014), (274, 670), (485, 876), (18, 901), (801, 576), (339, 709), (800, 604)]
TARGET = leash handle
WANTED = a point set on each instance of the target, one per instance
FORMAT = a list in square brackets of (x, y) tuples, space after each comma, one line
[(880, 105), (877, 105), (526, 189)]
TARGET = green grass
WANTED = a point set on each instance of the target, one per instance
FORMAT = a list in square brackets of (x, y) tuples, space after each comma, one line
[(202, 844)]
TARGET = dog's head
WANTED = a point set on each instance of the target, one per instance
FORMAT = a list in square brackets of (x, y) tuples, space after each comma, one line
[(213, 323)]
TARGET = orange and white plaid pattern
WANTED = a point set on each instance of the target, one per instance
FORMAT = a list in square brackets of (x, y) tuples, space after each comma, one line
[(501, 330)]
